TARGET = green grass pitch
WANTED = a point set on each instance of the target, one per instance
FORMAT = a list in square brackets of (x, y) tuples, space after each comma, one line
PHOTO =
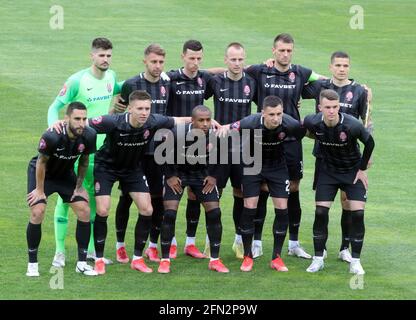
[(36, 60)]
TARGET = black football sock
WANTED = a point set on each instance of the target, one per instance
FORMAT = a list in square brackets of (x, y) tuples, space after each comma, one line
[(237, 211), (346, 221), (193, 212), (82, 235), (100, 235), (357, 232), (157, 217), (214, 231), (260, 215), (141, 233), (295, 213), (33, 236), (247, 229), (320, 230), (122, 216), (167, 231), (281, 221)]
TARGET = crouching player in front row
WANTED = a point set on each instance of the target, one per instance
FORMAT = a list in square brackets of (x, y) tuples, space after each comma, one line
[(342, 167), (197, 171), (268, 130), (52, 170)]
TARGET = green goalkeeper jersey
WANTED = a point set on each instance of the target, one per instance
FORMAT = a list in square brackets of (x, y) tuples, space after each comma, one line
[(95, 93)]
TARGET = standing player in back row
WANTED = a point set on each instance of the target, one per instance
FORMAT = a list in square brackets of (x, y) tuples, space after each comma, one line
[(286, 81), (232, 91), (354, 100), (342, 167), (150, 81), (188, 86), (95, 87)]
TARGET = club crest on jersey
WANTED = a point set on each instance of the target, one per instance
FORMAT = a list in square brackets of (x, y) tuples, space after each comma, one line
[(200, 81), (349, 96), (146, 134), (97, 187), (97, 120), (343, 136), (247, 90), (292, 77), (109, 88), (236, 125), (162, 91), (281, 135), (63, 91), (81, 148), (42, 144)]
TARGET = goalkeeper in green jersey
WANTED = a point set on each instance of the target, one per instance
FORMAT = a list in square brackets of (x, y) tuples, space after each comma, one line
[(95, 87)]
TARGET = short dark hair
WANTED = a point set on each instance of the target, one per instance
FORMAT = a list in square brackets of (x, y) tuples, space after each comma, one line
[(236, 45), (200, 108), (328, 94), (101, 43), (284, 37), (139, 95), (193, 45), (75, 105), (154, 48), (339, 54), (272, 101)]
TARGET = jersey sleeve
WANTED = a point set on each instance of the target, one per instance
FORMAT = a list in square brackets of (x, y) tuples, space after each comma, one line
[(90, 141), (306, 74), (312, 90), (103, 124), (307, 123), (67, 94), (314, 77), (358, 131), (363, 104), (294, 127), (248, 122), (254, 70), (126, 89), (117, 84), (53, 111), (210, 89), (47, 143), (69, 90), (161, 121)]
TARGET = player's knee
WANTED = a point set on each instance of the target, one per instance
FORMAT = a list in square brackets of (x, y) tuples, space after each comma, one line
[(83, 213), (209, 206), (169, 217), (146, 211), (37, 214), (247, 221)]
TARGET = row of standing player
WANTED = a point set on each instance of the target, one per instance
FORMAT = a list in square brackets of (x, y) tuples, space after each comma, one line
[(233, 92)]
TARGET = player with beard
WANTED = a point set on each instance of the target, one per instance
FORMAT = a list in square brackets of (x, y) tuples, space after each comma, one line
[(52, 170), (95, 87)]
